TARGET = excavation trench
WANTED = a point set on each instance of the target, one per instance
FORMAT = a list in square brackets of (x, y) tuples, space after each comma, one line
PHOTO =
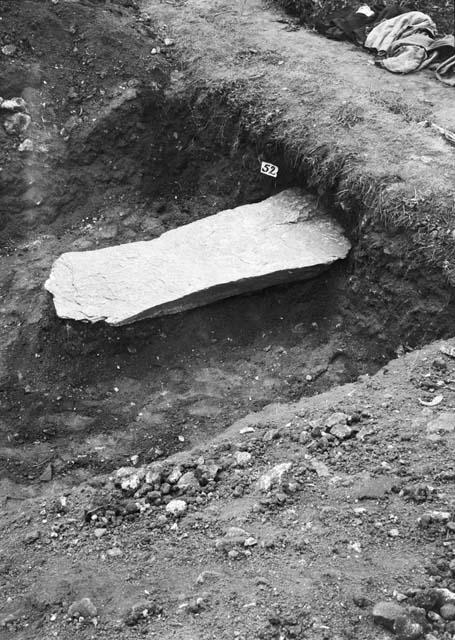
[(86, 398)]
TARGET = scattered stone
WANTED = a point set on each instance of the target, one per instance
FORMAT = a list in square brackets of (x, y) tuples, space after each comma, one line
[(445, 422), (188, 481), (154, 476), (175, 475), (176, 507), (242, 458), (336, 419), (17, 124), (430, 517), (274, 476), (140, 611), (447, 611), (407, 629), (9, 49), (168, 42), (321, 468), (115, 552), (26, 145), (83, 608), (361, 601), (374, 488), (32, 536), (207, 576), (445, 596), (129, 478), (46, 475), (342, 431), (100, 532), (386, 613), (14, 104)]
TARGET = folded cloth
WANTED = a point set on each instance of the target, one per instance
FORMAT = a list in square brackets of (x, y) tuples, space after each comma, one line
[(445, 73), (444, 46), (407, 54), (416, 52), (385, 34)]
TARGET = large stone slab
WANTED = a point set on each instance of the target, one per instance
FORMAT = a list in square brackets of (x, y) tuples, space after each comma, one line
[(281, 239)]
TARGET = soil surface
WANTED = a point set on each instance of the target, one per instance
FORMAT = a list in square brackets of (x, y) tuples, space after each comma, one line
[(138, 117)]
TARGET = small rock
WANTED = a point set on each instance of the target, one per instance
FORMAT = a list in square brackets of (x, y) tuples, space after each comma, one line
[(273, 476), (168, 42), (83, 608), (336, 419), (361, 601), (115, 552), (175, 475), (9, 49), (46, 475), (131, 507), (154, 476), (321, 469), (129, 478), (242, 458), (176, 507), (140, 611), (17, 124), (14, 104), (32, 536), (342, 431), (26, 145), (385, 614), (406, 629), (207, 576), (447, 611), (100, 532), (188, 481)]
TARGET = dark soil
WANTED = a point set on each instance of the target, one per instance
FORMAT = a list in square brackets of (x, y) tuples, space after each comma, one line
[(128, 142)]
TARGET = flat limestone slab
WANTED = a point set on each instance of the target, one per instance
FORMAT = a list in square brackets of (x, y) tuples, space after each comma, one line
[(281, 239)]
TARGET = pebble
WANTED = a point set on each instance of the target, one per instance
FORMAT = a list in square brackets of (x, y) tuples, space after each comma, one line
[(273, 476), (188, 481), (336, 419), (9, 49), (17, 124), (14, 104), (341, 431), (32, 536), (448, 611), (385, 614), (242, 458), (140, 611), (206, 576), (129, 478), (176, 507), (115, 552), (26, 145), (175, 475), (407, 629), (100, 532), (83, 608), (46, 475)]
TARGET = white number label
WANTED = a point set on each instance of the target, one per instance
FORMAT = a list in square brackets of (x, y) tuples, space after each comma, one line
[(269, 169)]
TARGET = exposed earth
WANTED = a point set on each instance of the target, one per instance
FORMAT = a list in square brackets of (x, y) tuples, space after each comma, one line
[(275, 465)]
